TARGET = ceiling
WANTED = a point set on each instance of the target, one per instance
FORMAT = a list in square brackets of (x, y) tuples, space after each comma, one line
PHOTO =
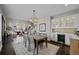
[(24, 11)]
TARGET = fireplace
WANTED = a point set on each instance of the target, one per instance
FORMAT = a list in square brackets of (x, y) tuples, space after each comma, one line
[(61, 38)]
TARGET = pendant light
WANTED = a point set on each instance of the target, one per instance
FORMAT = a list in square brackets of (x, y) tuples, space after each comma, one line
[(34, 18)]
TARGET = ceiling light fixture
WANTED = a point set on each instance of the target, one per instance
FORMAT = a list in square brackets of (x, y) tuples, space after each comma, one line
[(34, 18), (66, 4)]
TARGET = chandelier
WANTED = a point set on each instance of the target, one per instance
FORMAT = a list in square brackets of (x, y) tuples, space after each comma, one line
[(34, 18)]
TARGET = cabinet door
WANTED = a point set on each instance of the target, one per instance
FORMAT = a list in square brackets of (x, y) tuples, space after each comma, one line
[(74, 46)]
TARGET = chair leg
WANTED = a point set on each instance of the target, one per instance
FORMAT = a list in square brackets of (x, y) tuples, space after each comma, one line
[(34, 47), (25, 44), (41, 45), (29, 46), (34, 51), (46, 42), (37, 50)]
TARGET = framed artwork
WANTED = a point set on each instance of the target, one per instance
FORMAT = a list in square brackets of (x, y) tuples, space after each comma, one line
[(42, 27)]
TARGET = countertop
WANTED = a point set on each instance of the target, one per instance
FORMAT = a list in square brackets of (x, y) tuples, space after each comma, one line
[(74, 36)]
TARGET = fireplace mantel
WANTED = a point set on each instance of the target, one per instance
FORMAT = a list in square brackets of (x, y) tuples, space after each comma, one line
[(54, 37)]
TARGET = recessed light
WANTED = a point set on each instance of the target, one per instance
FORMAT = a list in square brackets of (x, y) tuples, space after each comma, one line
[(66, 4)]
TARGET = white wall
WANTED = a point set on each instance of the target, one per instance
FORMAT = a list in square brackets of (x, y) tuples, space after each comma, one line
[(47, 22)]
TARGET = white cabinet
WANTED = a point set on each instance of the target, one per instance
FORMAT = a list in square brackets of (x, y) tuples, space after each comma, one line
[(64, 22)]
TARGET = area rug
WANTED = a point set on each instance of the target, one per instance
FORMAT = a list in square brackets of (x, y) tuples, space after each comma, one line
[(21, 50), (50, 50)]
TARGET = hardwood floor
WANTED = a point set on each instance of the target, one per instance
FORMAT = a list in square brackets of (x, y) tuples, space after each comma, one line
[(7, 48), (63, 50)]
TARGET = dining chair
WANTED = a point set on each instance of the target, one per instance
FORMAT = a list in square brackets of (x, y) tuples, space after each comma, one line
[(28, 42)]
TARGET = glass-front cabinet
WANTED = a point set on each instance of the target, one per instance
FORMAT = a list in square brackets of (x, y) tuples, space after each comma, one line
[(64, 22)]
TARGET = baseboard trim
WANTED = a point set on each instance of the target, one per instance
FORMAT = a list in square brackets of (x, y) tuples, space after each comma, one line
[(59, 43)]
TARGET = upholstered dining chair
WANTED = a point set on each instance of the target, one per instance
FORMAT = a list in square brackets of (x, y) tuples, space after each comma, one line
[(28, 42)]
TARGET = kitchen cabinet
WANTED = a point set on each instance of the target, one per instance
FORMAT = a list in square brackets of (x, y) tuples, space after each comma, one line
[(64, 22)]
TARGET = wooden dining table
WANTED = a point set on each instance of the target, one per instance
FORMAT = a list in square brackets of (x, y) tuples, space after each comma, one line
[(37, 40)]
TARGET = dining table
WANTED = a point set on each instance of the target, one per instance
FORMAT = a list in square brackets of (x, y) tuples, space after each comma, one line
[(38, 39)]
